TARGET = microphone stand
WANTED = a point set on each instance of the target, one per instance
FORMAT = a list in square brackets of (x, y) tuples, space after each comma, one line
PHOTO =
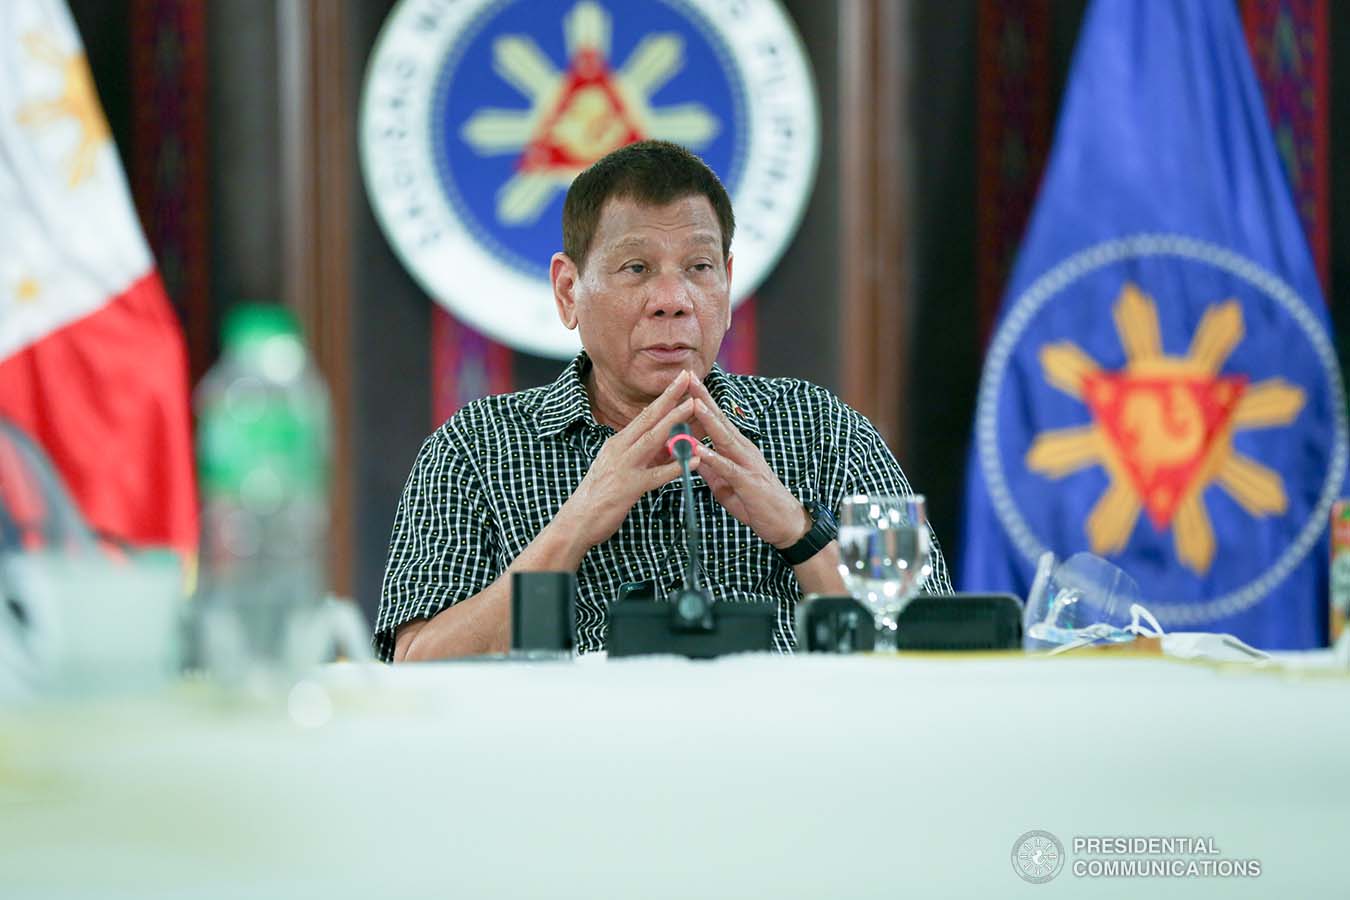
[(692, 625), (692, 610)]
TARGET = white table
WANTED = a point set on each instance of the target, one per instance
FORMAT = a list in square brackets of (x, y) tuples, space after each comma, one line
[(815, 777)]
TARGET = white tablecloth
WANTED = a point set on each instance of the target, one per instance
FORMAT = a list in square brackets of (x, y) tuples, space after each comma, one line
[(814, 777)]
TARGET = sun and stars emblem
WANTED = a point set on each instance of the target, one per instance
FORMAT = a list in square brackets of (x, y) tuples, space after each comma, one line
[(1162, 428), (78, 103), (577, 116)]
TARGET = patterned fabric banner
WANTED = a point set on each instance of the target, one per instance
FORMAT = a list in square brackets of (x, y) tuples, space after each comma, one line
[(740, 348), (1289, 43), (169, 157), (464, 365), (1013, 126)]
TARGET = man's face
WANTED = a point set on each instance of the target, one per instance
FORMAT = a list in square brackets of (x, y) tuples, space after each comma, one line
[(655, 296)]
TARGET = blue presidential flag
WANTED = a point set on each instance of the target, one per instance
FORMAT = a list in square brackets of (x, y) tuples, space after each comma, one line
[(1161, 389)]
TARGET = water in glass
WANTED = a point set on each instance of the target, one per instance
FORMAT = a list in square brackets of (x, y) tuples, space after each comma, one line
[(883, 552)]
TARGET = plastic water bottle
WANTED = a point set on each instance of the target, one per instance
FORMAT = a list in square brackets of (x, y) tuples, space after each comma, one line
[(263, 446)]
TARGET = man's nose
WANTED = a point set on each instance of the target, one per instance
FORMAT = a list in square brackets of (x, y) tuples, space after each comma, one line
[(669, 296)]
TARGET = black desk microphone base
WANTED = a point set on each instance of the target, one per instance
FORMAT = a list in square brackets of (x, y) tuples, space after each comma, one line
[(638, 627)]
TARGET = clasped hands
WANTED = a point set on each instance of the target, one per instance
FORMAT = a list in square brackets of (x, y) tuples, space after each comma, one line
[(635, 461)]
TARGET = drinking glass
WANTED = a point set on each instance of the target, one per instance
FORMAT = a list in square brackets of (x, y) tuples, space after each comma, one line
[(883, 555)]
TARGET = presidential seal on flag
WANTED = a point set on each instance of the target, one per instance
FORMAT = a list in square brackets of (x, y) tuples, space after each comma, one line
[(1154, 398), (477, 115)]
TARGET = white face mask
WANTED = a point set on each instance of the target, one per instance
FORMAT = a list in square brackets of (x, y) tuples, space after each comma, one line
[(1211, 646), (1342, 649)]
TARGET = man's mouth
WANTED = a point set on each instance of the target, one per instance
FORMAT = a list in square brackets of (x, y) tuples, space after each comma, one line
[(668, 352)]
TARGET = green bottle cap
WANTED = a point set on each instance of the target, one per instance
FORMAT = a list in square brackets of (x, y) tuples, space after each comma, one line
[(248, 324)]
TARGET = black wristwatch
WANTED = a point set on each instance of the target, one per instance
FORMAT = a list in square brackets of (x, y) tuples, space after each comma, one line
[(822, 532)]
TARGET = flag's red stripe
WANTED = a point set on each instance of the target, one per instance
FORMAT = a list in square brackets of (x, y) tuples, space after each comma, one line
[(107, 398)]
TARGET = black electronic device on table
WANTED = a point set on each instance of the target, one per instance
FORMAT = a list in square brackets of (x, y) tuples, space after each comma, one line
[(639, 624), (960, 622), (543, 613), (834, 624)]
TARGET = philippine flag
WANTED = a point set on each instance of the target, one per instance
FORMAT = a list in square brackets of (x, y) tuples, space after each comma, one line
[(92, 361)]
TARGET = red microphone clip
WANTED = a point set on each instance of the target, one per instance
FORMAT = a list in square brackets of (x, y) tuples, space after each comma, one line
[(677, 438)]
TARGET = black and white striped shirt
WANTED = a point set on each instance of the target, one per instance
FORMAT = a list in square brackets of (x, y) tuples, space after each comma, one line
[(489, 480)]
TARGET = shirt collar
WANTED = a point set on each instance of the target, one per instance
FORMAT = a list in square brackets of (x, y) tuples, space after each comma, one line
[(565, 400)]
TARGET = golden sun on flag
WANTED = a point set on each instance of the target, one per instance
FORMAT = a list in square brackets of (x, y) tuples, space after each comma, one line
[(78, 100), (576, 117), (1163, 427), (27, 290)]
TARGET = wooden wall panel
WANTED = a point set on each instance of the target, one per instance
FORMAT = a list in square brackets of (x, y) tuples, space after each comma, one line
[(317, 146), (875, 309)]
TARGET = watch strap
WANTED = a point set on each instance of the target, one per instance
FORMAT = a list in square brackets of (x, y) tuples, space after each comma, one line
[(817, 538)]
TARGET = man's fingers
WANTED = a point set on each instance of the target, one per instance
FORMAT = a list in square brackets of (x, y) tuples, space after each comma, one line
[(715, 421), (723, 433), (655, 437), (699, 391), (715, 462), (669, 399), (718, 471), (667, 473)]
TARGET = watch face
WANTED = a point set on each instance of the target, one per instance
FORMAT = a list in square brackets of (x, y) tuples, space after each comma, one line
[(825, 525)]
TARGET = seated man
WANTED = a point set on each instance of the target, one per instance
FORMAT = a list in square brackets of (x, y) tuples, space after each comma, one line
[(575, 476)]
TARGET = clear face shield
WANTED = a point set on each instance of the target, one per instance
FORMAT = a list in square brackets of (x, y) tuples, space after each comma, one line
[(1086, 601), (1081, 601)]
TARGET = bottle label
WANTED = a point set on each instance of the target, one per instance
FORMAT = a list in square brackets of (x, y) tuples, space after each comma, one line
[(257, 444)]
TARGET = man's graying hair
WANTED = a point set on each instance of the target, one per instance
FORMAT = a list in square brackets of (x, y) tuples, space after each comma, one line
[(652, 173)]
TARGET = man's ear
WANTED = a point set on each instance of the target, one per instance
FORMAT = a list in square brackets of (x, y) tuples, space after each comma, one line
[(729, 258), (563, 274)]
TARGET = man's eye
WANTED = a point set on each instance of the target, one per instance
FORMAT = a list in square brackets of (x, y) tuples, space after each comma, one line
[(702, 267), (635, 268)]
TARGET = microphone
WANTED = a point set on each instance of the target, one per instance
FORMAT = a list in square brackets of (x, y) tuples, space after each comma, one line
[(692, 610), (680, 445)]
